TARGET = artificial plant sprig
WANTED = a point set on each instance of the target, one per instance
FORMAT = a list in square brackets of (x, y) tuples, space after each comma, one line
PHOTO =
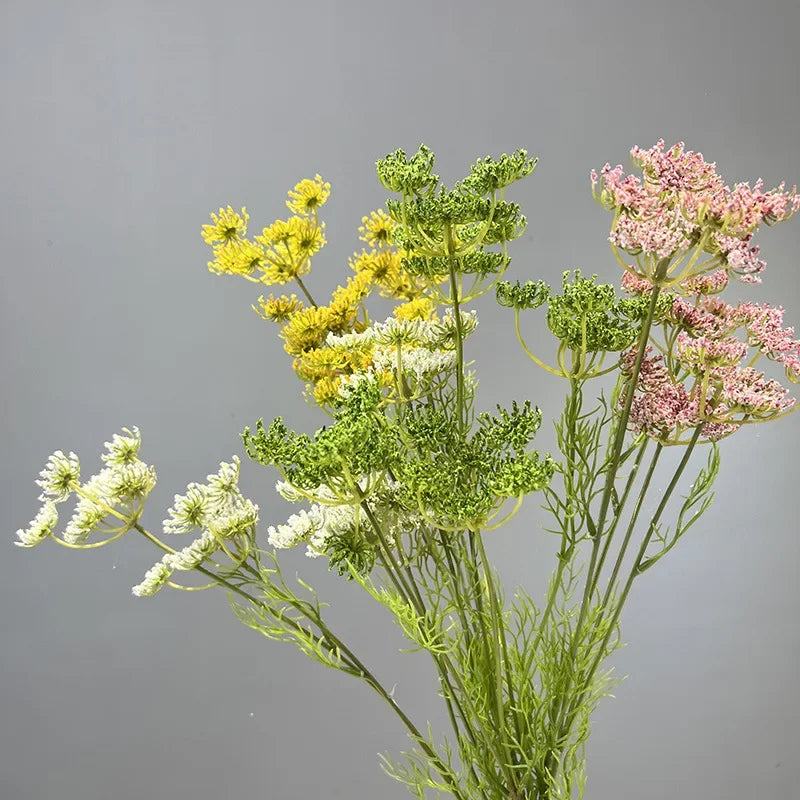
[(401, 488)]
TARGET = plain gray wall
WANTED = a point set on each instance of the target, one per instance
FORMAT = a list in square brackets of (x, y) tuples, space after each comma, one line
[(124, 125)]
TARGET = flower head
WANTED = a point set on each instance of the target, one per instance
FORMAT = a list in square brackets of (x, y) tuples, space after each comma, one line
[(681, 203), (40, 527), (240, 257), (288, 248), (308, 195), (238, 521), (198, 551), (129, 482), (278, 309), (376, 229), (88, 515), (60, 476), (421, 308), (298, 528), (189, 511), (155, 577), (222, 489), (228, 226), (123, 448)]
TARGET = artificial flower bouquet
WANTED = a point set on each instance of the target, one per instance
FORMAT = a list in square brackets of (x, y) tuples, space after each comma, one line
[(401, 487)]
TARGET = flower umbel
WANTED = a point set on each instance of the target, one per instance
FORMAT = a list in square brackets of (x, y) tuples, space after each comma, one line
[(60, 476), (228, 226), (308, 196)]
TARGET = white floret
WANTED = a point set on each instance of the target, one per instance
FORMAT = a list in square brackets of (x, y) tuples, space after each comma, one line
[(189, 511), (123, 448), (197, 552), (298, 528), (40, 527), (59, 476), (155, 577)]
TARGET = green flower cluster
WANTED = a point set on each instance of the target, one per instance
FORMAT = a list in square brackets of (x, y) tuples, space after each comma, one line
[(446, 230), (530, 294), (360, 441), (476, 263), (462, 482), (588, 316)]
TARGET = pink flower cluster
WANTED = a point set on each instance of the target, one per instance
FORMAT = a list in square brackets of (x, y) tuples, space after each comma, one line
[(662, 406), (711, 283), (702, 352), (706, 379), (679, 199)]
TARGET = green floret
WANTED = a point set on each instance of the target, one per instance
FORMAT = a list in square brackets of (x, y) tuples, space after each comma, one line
[(487, 175), (462, 482), (589, 317), (530, 294), (360, 441), (476, 263), (412, 176)]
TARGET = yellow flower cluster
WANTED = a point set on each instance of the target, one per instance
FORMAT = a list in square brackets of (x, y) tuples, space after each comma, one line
[(305, 333), (288, 246), (376, 229), (282, 252), (308, 328), (384, 263), (228, 226), (308, 196), (277, 309), (421, 308)]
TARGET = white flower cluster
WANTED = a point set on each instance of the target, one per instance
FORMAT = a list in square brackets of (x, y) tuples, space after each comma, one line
[(115, 495), (393, 331), (216, 507), (217, 504), (425, 347), (126, 484), (123, 449), (60, 476), (40, 527), (419, 362), (154, 579), (330, 518)]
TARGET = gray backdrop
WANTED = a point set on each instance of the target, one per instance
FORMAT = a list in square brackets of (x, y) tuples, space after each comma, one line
[(124, 124)]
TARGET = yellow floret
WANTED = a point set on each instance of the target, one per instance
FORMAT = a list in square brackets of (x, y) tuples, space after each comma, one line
[(326, 391), (278, 309), (308, 239), (240, 257), (420, 308), (289, 246), (376, 229), (307, 329), (346, 301), (228, 226), (308, 195), (323, 362)]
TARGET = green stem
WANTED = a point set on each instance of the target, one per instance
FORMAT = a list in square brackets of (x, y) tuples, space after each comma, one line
[(652, 527), (454, 575), (645, 543), (305, 291), (623, 500), (612, 466), (500, 652), (454, 293), (447, 672), (632, 523)]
